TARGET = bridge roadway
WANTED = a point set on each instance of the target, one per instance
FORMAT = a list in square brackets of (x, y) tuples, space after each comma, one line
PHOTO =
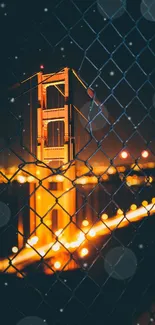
[(27, 256), (33, 173)]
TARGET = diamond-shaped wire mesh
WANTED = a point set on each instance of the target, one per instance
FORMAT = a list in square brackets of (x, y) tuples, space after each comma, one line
[(77, 238)]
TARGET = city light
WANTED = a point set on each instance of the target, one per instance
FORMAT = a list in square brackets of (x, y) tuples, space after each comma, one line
[(14, 249), (133, 207), (144, 203), (85, 223), (66, 245), (145, 154), (25, 257), (21, 179), (56, 247), (58, 232), (83, 181), (41, 252), (30, 179), (92, 233), (32, 241), (111, 170), (59, 178), (105, 177), (119, 211), (150, 179), (57, 265), (104, 216), (84, 252), (80, 239), (124, 154)]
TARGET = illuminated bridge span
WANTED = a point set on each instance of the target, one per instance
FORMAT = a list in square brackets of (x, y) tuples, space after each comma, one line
[(32, 175), (52, 195), (58, 251)]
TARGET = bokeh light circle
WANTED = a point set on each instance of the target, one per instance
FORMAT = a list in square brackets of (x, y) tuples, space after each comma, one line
[(120, 263), (147, 9), (145, 154), (32, 320), (5, 214), (124, 154), (111, 8), (97, 116)]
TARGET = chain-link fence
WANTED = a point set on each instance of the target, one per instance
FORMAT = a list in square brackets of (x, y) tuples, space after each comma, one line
[(77, 233)]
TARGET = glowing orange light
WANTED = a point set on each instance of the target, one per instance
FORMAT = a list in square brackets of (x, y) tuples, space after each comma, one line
[(149, 179), (84, 252), (57, 265), (66, 245), (30, 179), (48, 222), (92, 233), (59, 178), (144, 203), (111, 170), (93, 179), (153, 200), (21, 179), (133, 207), (74, 244), (145, 154), (104, 216), (137, 167), (32, 241), (83, 180), (119, 211), (56, 247), (101, 229), (121, 169), (81, 238), (38, 172), (124, 154), (151, 165), (58, 232), (42, 252), (85, 223), (105, 177)]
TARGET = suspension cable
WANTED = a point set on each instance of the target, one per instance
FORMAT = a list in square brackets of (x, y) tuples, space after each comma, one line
[(76, 75)]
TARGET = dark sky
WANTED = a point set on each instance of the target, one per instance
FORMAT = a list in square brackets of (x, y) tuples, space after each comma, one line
[(113, 55)]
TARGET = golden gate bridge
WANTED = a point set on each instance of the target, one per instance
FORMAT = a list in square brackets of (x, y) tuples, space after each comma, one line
[(54, 233)]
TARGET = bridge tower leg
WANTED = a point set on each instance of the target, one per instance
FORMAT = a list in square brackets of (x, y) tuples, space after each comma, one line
[(50, 153)]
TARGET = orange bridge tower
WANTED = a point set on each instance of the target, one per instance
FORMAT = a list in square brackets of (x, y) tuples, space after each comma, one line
[(55, 197)]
